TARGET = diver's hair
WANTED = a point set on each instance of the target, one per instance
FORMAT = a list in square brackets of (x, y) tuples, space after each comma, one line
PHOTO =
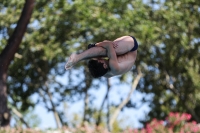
[(96, 68)]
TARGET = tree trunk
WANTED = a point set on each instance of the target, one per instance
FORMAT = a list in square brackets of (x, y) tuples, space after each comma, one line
[(86, 102), (108, 106), (102, 105), (125, 101), (4, 111), (7, 56), (86, 99)]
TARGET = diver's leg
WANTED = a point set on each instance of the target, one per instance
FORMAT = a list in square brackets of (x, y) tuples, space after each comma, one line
[(87, 54)]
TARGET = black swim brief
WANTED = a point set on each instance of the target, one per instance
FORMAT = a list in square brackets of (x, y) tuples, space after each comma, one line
[(135, 44)]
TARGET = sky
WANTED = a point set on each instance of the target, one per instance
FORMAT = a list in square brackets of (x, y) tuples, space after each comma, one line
[(130, 117)]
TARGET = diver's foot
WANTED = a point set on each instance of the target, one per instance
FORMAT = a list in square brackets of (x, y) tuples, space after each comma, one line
[(71, 61)]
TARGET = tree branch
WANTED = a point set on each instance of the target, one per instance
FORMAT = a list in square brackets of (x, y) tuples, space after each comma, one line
[(57, 118), (20, 116), (125, 101), (108, 106), (86, 101), (101, 108), (14, 41)]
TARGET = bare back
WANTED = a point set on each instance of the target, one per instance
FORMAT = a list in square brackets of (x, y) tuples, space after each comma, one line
[(126, 58)]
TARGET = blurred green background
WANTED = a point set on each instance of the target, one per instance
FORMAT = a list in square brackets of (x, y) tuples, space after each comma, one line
[(168, 57)]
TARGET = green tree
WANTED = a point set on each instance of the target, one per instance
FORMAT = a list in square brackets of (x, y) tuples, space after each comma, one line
[(168, 54), (172, 68), (8, 52), (58, 28)]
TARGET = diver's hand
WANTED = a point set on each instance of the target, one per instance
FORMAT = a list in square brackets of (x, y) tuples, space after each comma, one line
[(105, 44)]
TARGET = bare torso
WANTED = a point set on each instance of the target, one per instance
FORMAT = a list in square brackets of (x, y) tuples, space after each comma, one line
[(126, 58)]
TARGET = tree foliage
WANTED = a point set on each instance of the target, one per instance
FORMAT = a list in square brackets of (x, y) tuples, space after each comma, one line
[(168, 54), (172, 71)]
